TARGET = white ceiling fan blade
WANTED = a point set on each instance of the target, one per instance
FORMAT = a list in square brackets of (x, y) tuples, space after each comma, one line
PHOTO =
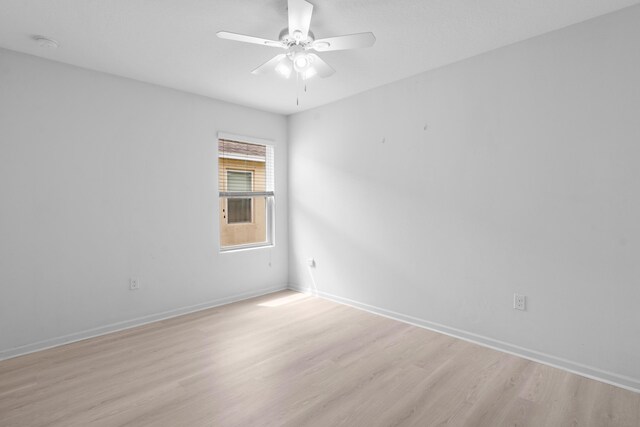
[(322, 68), (351, 41), (249, 39), (299, 18), (279, 63)]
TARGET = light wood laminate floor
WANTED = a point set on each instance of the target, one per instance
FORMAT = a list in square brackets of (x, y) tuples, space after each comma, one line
[(287, 359)]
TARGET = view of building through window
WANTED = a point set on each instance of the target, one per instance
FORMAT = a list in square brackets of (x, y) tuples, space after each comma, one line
[(239, 209), (246, 194)]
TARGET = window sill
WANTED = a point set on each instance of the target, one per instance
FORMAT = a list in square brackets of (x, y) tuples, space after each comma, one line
[(242, 248)]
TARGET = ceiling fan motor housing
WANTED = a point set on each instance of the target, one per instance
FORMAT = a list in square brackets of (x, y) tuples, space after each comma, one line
[(288, 40)]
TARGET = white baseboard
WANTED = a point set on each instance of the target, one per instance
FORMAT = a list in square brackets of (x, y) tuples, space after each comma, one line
[(127, 324), (628, 383)]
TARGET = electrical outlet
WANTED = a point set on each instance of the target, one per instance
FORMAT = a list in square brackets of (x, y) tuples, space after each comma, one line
[(134, 284), (519, 302)]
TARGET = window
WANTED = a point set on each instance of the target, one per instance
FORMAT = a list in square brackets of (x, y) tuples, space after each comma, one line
[(246, 192), (239, 209)]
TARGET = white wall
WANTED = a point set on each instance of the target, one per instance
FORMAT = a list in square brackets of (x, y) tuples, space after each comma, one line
[(102, 179), (527, 179)]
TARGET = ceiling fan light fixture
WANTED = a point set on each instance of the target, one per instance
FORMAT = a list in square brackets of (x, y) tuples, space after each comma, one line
[(301, 61), (308, 73), (284, 70)]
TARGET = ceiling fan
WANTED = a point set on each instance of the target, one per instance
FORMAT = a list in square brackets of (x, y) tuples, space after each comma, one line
[(299, 43)]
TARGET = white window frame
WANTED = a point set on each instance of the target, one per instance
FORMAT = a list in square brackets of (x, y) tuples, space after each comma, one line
[(269, 195)]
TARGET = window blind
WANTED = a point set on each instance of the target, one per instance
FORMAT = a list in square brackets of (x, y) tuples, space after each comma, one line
[(235, 160)]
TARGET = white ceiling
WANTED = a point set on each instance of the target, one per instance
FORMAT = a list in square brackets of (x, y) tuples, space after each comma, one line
[(173, 43)]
